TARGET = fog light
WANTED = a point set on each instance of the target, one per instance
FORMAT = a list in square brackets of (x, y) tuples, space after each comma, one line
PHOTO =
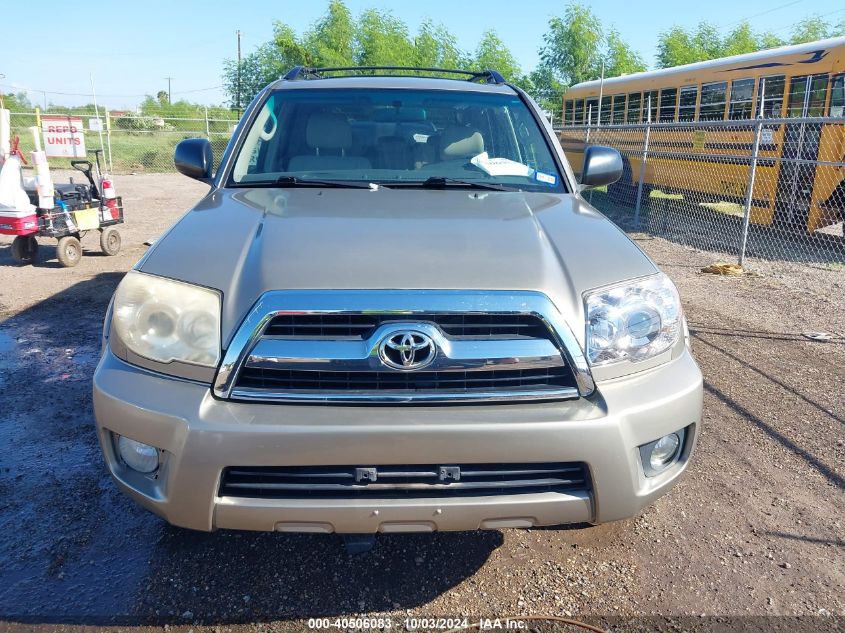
[(658, 455), (137, 455), (664, 451)]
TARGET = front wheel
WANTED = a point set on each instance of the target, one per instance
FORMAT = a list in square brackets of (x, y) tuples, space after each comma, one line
[(110, 241), (25, 249), (69, 251)]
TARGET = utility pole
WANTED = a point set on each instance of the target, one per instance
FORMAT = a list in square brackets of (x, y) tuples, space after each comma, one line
[(238, 96), (169, 100)]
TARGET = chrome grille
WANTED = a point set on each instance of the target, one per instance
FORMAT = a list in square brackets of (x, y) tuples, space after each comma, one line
[(403, 481), (364, 325), (412, 382), (341, 347)]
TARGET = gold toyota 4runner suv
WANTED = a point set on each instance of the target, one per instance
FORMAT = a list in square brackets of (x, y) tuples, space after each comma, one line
[(394, 311)]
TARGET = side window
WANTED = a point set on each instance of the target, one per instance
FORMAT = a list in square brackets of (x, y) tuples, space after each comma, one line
[(650, 106), (742, 93), (567, 112), (579, 112), (837, 96), (605, 110), (770, 89), (591, 110), (618, 109), (686, 104), (668, 99), (712, 107), (806, 96), (818, 95), (634, 100)]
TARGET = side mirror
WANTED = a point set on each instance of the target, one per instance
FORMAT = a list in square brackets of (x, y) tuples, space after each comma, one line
[(193, 158), (602, 166)]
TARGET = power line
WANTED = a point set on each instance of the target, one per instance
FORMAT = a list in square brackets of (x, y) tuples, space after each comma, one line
[(757, 15), (790, 26), (88, 94)]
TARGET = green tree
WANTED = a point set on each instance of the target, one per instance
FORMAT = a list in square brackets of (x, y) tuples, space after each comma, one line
[(383, 40), (809, 30), (740, 40), (675, 47), (619, 58), (492, 53), (436, 47), (332, 38), (572, 45)]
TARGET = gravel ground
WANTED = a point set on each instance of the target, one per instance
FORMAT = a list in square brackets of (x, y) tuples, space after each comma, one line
[(756, 528)]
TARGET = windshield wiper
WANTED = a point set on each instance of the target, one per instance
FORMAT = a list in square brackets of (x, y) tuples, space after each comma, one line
[(294, 181), (441, 182)]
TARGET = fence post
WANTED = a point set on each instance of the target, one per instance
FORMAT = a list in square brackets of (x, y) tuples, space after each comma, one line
[(642, 177), (749, 194), (207, 135)]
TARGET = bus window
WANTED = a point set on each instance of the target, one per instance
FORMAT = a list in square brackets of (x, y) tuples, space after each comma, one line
[(807, 96), (618, 109), (668, 99), (650, 106), (742, 93), (773, 88), (605, 110), (579, 112), (633, 108), (686, 105), (567, 112), (591, 110), (818, 95), (837, 96), (712, 106)]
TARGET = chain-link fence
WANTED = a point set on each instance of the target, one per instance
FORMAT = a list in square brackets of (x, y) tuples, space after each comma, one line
[(131, 142), (767, 188)]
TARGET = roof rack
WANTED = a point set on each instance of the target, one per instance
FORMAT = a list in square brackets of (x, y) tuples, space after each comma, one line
[(306, 72)]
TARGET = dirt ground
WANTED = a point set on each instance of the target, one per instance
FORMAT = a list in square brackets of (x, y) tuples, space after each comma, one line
[(756, 528)]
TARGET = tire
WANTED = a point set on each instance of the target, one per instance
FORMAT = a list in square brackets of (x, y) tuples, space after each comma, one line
[(69, 251), (110, 241), (25, 249)]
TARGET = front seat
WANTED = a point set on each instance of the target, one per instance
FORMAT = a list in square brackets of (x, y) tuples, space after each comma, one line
[(329, 136), (460, 142)]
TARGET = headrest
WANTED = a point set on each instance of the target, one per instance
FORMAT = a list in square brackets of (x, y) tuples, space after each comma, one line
[(328, 131), (460, 142)]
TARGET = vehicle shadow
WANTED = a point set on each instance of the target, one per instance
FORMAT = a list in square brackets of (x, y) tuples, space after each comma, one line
[(74, 550), (232, 577)]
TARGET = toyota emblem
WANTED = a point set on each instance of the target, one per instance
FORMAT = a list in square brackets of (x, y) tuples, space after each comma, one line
[(407, 350)]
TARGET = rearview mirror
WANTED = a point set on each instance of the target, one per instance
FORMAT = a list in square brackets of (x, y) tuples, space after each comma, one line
[(193, 158), (602, 166)]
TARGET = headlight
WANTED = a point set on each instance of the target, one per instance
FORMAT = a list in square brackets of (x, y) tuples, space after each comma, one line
[(632, 321), (166, 320)]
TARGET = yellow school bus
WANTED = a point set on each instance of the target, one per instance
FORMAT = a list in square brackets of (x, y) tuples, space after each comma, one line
[(800, 181)]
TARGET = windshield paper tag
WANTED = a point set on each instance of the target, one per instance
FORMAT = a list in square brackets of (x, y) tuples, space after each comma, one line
[(548, 179), (500, 166)]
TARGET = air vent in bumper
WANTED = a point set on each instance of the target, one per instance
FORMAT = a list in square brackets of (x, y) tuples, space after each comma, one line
[(402, 481)]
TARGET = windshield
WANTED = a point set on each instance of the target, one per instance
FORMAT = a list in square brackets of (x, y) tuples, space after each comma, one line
[(395, 138)]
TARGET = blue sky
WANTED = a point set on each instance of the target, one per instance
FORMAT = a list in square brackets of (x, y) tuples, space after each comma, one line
[(130, 47)]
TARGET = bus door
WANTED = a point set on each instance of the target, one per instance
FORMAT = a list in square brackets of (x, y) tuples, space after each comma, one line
[(800, 150)]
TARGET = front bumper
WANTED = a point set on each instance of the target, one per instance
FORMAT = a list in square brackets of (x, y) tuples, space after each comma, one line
[(201, 435)]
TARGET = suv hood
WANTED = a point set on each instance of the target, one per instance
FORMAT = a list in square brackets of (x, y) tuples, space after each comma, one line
[(244, 242)]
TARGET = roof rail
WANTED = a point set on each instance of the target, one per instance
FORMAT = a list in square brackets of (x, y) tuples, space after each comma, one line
[(307, 72)]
